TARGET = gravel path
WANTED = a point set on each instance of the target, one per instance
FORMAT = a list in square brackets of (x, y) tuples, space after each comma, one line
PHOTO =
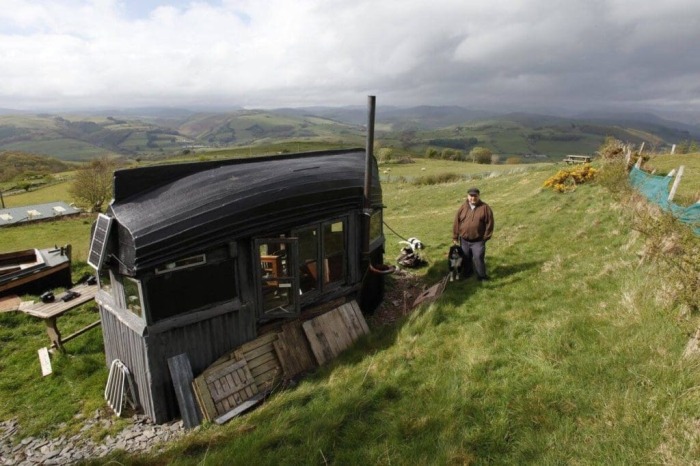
[(140, 436)]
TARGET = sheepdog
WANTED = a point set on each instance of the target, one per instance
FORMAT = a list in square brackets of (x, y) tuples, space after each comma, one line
[(454, 261)]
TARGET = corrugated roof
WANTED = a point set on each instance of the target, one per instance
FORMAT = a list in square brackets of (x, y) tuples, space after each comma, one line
[(36, 212), (195, 209)]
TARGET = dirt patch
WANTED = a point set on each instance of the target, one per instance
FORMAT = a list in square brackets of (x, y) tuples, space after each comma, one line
[(402, 289)]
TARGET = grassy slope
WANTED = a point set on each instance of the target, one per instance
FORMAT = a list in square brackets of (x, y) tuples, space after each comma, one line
[(689, 188), (566, 356)]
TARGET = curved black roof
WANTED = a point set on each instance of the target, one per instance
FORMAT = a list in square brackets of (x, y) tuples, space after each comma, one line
[(165, 212)]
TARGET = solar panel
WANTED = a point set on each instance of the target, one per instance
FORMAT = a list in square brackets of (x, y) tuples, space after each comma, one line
[(98, 245)]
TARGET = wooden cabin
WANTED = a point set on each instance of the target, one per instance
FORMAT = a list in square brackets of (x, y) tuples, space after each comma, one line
[(197, 258)]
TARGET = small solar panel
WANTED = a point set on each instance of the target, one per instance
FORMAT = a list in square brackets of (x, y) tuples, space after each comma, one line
[(98, 245)]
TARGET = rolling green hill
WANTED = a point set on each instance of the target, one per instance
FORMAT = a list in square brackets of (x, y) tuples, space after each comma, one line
[(158, 135)]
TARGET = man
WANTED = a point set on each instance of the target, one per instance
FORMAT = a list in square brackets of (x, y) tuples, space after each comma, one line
[(473, 227)]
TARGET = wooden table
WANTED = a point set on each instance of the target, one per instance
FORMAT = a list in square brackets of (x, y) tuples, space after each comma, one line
[(50, 312), (577, 159)]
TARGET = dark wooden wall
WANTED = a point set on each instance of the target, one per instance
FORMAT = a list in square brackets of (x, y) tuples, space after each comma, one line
[(147, 356)]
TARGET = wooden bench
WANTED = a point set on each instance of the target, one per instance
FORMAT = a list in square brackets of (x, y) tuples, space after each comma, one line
[(50, 312), (577, 159)]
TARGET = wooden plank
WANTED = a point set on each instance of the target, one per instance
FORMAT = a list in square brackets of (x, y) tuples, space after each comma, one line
[(256, 352), (336, 331), (354, 329), (181, 374), (224, 389), (263, 368), (263, 360), (360, 316), (261, 340), (224, 369), (340, 331), (318, 341), (293, 350), (246, 405), (58, 307)]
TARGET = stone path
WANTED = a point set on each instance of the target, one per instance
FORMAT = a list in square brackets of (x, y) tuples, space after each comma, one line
[(140, 436)]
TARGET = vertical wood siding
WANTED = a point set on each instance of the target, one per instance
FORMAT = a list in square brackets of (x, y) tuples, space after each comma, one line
[(147, 357)]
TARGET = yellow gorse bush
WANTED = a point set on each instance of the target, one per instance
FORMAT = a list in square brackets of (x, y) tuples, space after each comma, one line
[(566, 180)]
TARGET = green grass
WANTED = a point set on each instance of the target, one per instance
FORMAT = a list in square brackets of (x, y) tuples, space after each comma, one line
[(54, 192), (47, 405), (689, 189), (571, 354)]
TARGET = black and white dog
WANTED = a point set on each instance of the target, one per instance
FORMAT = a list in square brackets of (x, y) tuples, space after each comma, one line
[(454, 260)]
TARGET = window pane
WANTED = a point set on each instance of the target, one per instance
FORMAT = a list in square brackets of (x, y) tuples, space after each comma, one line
[(277, 296), (105, 280), (308, 259), (189, 289), (132, 296), (279, 292), (375, 225), (334, 252)]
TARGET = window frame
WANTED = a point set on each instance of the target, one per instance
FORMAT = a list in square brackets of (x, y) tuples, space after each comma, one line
[(291, 280), (321, 285)]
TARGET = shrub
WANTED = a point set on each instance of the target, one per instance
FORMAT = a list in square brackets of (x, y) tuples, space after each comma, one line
[(513, 160), (431, 153), (566, 180), (673, 246), (613, 176), (384, 155), (437, 179), (481, 155)]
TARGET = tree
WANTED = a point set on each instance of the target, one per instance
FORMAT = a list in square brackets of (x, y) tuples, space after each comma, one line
[(481, 155), (92, 184)]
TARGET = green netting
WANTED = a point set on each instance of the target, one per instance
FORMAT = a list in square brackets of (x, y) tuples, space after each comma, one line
[(656, 189)]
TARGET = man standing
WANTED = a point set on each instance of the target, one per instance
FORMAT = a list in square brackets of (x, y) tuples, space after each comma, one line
[(473, 227)]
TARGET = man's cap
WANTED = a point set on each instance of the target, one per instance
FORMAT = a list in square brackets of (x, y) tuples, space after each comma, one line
[(473, 191)]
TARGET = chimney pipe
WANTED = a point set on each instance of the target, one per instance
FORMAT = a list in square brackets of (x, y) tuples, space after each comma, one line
[(371, 105)]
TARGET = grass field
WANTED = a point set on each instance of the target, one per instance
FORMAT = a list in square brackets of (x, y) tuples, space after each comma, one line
[(571, 354), (689, 189)]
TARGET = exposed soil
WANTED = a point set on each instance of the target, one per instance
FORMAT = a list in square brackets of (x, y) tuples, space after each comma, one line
[(402, 288)]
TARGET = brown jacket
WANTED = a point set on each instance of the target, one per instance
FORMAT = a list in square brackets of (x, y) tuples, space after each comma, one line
[(473, 225)]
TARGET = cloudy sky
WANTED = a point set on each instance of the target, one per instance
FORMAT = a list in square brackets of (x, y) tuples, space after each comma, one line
[(489, 54)]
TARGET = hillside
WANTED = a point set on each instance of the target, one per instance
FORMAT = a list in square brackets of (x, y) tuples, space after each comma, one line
[(20, 164), (566, 356), (160, 133)]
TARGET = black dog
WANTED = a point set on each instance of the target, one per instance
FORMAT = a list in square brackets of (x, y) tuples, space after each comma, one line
[(454, 261)]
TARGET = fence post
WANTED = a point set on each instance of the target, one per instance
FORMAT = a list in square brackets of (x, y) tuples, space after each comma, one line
[(676, 182)]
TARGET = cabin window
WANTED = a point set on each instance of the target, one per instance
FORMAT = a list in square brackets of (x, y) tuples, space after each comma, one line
[(309, 243), (192, 261), (333, 252), (375, 226), (106, 278), (132, 296), (322, 256), (277, 276), (187, 288)]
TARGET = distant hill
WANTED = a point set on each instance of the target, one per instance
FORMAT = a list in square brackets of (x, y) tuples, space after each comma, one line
[(20, 164), (163, 132)]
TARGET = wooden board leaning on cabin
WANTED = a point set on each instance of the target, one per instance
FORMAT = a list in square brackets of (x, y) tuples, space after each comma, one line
[(243, 377)]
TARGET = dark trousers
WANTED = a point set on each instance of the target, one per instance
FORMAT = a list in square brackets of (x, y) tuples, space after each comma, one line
[(474, 254)]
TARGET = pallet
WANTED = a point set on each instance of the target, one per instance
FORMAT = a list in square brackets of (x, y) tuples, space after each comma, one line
[(332, 333)]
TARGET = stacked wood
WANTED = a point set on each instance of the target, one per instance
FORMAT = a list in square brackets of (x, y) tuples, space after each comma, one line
[(240, 379)]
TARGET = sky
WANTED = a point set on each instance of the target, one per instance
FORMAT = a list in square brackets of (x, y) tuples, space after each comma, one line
[(513, 55)]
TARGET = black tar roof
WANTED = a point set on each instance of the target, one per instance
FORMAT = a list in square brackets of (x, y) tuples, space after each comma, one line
[(165, 212)]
